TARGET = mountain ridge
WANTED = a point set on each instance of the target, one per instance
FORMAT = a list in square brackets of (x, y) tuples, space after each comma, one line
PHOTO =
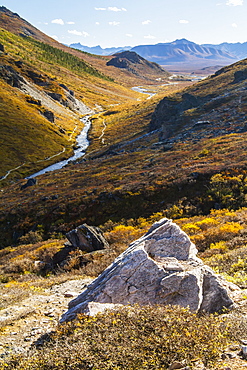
[(182, 50)]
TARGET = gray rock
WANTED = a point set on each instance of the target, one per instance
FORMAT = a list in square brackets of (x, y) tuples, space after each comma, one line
[(30, 182), (48, 114), (10, 76), (87, 238), (159, 268)]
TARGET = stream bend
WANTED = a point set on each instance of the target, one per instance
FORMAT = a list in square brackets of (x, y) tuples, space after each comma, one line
[(82, 143)]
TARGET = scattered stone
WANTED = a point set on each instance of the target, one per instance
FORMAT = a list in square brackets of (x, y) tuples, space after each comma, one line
[(234, 347), (176, 365), (39, 264), (159, 268), (70, 294)]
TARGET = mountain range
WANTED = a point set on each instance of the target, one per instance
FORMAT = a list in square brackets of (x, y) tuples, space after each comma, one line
[(180, 51)]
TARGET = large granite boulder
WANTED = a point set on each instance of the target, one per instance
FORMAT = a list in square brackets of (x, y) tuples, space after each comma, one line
[(159, 268)]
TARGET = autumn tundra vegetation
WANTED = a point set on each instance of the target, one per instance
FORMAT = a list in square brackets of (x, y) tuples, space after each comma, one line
[(135, 172)]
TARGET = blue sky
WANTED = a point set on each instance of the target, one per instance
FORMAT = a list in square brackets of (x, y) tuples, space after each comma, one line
[(134, 22)]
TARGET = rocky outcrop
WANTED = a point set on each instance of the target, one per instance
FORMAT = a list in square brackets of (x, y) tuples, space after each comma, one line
[(240, 76), (10, 76), (168, 114), (159, 268), (87, 238), (48, 114)]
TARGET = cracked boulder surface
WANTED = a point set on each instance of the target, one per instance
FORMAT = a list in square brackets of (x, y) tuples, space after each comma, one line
[(161, 268)]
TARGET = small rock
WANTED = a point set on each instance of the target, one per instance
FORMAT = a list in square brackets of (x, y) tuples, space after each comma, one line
[(231, 355), (70, 294), (234, 347), (244, 351), (176, 365), (48, 313), (13, 333)]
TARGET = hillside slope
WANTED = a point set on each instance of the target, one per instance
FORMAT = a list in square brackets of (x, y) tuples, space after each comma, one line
[(135, 64), (44, 93), (139, 170), (214, 107), (13, 23)]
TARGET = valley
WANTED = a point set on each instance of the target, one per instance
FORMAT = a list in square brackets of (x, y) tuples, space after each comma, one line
[(115, 142)]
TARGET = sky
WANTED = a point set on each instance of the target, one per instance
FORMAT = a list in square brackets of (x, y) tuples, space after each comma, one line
[(117, 23)]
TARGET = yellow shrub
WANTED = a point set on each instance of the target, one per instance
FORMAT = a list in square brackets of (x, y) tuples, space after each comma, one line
[(231, 228), (207, 222), (190, 228), (219, 245), (124, 234)]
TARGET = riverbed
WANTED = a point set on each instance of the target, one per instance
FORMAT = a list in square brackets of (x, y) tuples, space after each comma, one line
[(82, 143)]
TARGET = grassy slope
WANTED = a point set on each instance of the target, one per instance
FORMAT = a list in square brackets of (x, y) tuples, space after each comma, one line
[(23, 131), (135, 178), (56, 67), (58, 64), (14, 24)]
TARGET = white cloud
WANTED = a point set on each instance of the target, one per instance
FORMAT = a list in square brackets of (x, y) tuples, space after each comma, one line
[(54, 37), (183, 21), (78, 33), (149, 37), (234, 25), (97, 23), (235, 2), (58, 21), (146, 22), (129, 35), (115, 9), (114, 23), (70, 22), (112, 9)]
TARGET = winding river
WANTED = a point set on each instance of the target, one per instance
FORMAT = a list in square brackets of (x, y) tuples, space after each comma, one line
[(143, 91), (82, 144)]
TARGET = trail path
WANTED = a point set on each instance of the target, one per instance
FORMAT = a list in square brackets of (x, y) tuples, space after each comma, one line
[(103, 132), (26, 321)]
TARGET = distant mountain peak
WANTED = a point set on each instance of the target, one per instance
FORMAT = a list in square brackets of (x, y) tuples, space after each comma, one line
[(182, 41)]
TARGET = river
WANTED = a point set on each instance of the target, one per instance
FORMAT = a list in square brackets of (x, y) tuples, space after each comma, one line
[(82, 144), (143, 91)]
